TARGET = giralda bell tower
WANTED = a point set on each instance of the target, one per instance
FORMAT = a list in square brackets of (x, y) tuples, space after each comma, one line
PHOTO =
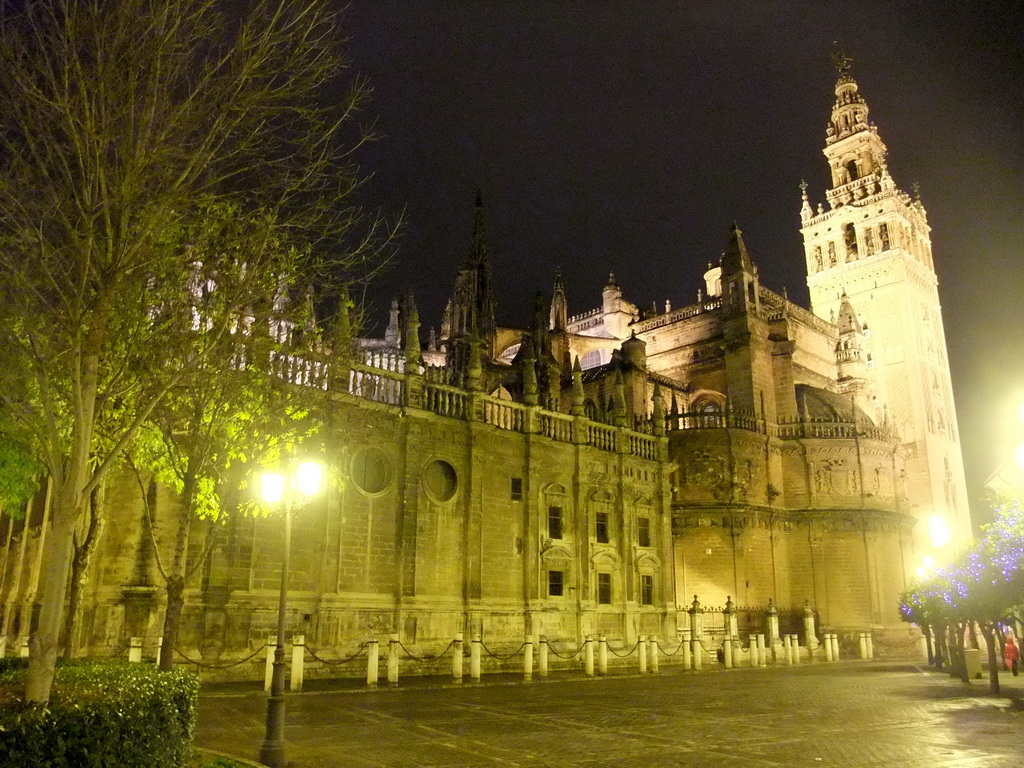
[(870, 241)]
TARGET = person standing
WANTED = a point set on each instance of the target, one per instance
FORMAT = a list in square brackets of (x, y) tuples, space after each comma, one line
[(1010, 655)]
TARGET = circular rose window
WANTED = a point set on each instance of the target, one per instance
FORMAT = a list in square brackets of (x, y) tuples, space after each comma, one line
[(370, 472), (440, 480)]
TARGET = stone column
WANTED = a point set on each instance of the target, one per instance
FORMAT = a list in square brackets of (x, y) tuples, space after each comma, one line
[(542, 656), (810, 639)]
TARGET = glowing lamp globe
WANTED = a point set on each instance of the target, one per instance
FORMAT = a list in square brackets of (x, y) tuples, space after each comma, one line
[(307, 477), (272, 487)]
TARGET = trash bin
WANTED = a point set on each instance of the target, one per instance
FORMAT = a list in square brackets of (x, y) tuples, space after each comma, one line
[(972, 660)]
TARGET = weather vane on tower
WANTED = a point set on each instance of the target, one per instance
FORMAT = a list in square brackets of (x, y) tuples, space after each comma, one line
[(840, 59)]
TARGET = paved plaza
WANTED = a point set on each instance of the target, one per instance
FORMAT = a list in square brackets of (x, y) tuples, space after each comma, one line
[(847, 715)]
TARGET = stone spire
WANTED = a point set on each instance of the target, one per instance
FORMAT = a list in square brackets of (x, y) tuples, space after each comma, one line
[(411, 332), (806, 212), (559, 319), (736, 259), (528, 362), (472, 303), (855, 153), (392, 333), (579, 397), (847, 321)]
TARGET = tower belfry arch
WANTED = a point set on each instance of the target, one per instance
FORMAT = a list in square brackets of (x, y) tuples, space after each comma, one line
[(869, 245)]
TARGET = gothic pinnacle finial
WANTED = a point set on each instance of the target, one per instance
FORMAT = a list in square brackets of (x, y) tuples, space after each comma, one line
[(803, 189)]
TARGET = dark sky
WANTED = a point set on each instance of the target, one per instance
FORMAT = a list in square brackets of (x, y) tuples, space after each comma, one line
[(626, 136)]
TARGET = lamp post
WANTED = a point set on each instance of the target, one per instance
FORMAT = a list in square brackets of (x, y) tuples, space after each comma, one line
[(275, 488)]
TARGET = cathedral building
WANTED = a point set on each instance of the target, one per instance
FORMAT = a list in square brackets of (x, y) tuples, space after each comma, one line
[(591, 473)]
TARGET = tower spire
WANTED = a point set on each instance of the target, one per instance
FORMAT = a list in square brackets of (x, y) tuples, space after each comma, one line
[(559, 319)]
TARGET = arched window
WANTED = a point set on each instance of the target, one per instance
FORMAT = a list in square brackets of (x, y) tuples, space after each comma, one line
[(851, 169), (850, 240), (883, 235), (831, 254)]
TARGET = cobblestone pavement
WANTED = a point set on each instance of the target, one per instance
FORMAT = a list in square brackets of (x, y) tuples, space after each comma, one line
[(847, 715)]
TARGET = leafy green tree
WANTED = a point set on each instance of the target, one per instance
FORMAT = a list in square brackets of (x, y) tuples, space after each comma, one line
[(231, 411), (126, 130)]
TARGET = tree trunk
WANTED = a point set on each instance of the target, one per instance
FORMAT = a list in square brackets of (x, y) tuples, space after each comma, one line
[(961, 661), (46, 641), (80, 561), (172, 620), (176, 577), (993, 658)]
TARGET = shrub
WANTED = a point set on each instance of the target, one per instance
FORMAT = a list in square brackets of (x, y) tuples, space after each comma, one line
[(101, 716)]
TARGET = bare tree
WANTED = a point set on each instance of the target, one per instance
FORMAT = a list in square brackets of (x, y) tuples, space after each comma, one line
[(130, 132)]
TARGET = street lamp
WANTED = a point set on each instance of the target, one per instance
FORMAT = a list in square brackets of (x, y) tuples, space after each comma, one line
[(275, 488)]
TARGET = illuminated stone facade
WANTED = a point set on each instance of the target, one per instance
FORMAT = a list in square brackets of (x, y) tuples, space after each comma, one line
[(589, 474)]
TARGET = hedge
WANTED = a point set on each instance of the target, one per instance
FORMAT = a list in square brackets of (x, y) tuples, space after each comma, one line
[(100, 715)]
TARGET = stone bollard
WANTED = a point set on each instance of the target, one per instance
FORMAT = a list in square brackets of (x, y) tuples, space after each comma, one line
[(542, 659), (159, 649), (794, 641), (827, 642), (135, 650), (528, 659), (863, 646), (268, 672), (393, 660), (24, 651), (773, 626), (687, 656), (871, 646), (298, 661), (924, 649), (641, 647), (588, 656), (787, 650), (602, 655), (737, 651), (655, 663), (457, 658), (727, 647), (762, 653), (753, 651), (698, 654), (372, 662), (835, 647), (474, 658)]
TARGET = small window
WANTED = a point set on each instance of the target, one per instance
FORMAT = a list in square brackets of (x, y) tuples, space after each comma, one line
[(604, 588), (517, 489), (556, 583), (643, 531), (601, 527), (646, 590), (554, 522), (883, 235)]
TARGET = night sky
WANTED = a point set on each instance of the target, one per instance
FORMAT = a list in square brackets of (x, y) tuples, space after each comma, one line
[(626, 137)]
